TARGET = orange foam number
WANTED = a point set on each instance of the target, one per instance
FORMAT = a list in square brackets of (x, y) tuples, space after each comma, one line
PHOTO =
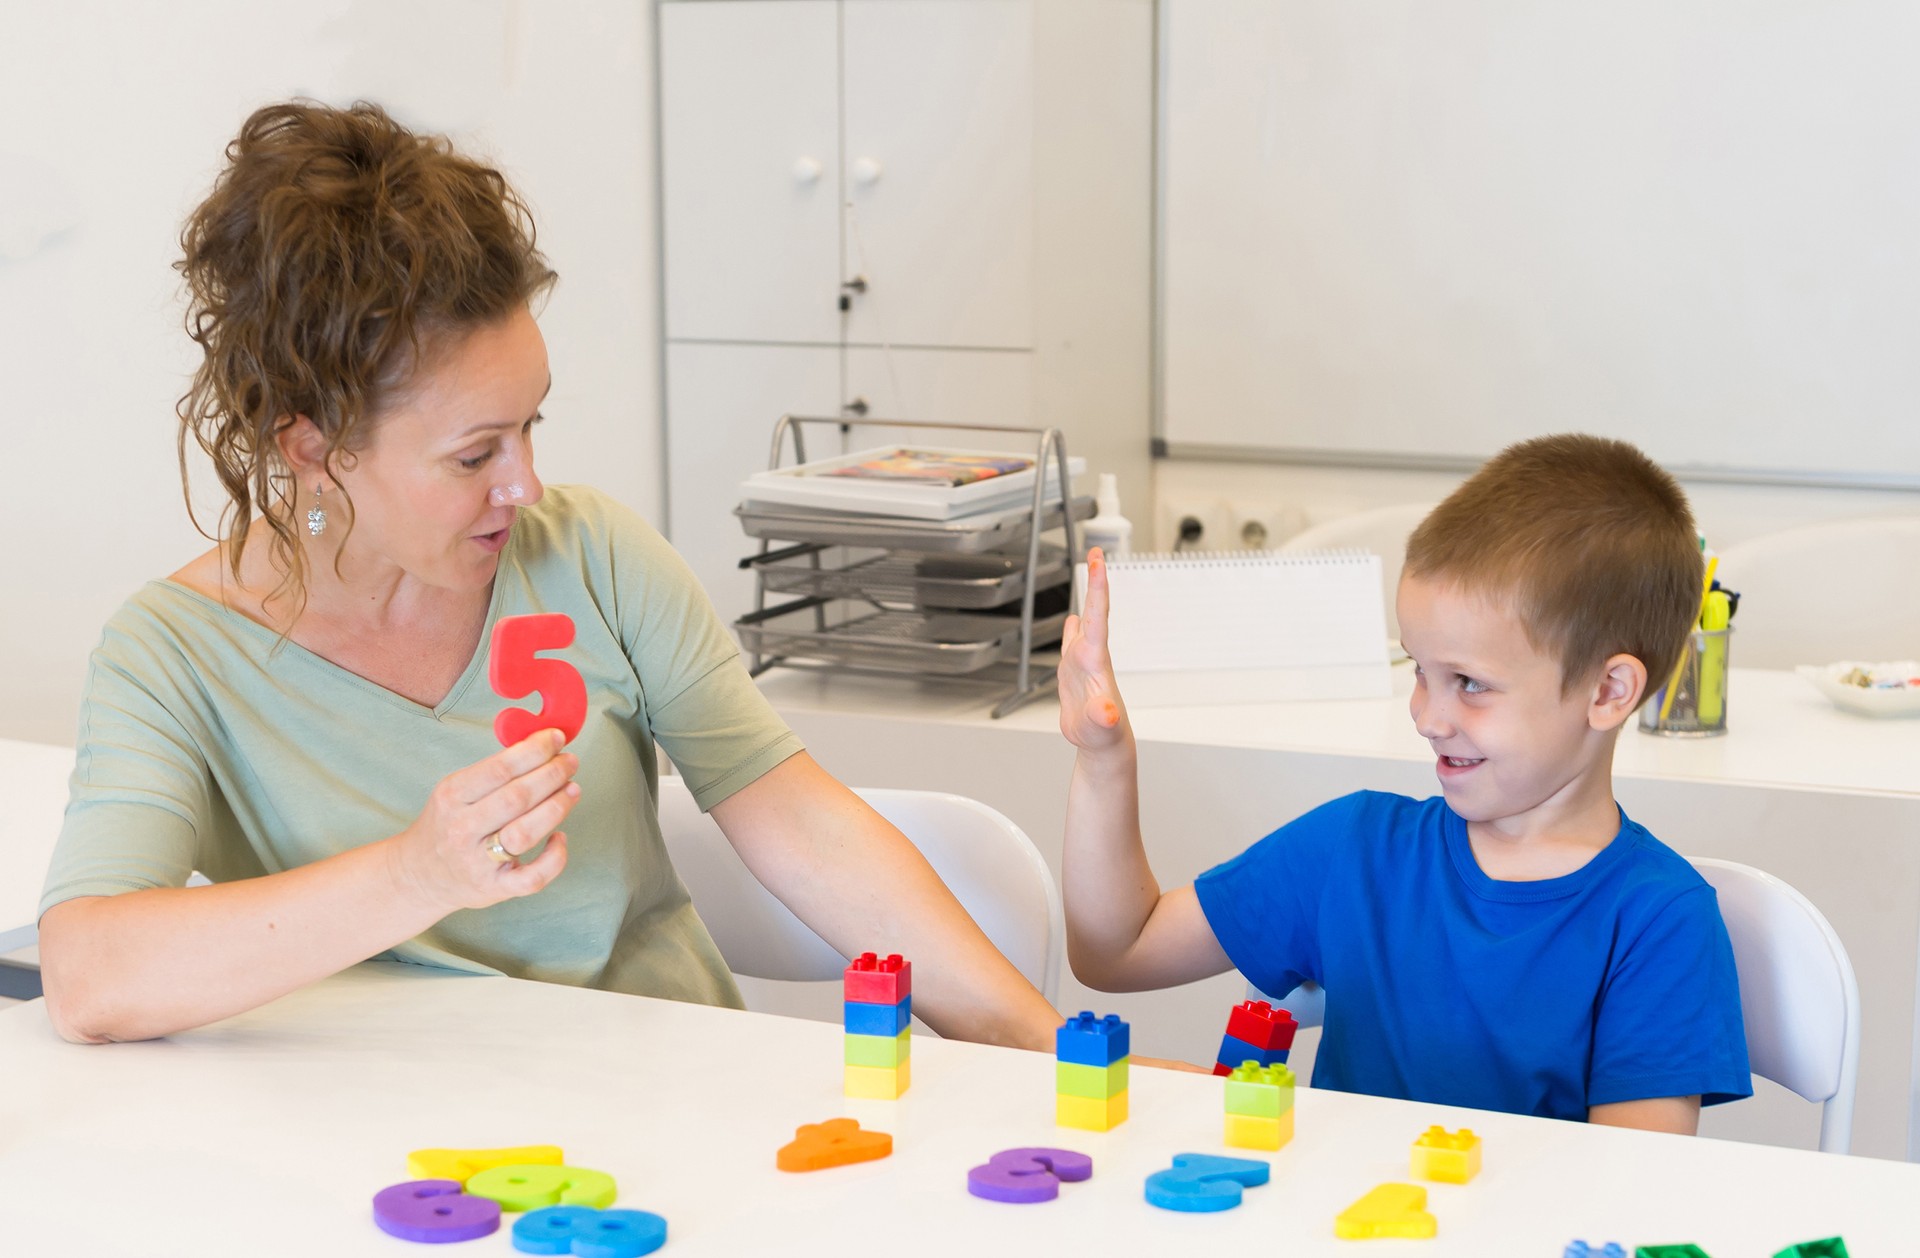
[(836, 1142), (1389, 1210), (460, 1165), (514, 672)]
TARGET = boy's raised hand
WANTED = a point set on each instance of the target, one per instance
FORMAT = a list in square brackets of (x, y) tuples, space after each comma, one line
[(1092, 715)]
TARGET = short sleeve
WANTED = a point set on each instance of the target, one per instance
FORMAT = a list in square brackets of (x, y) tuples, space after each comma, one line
[(1669, 1019), (1263, 905), (704, 709), (140, 787)]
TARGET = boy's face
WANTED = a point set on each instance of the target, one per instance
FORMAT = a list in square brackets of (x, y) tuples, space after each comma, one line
[(1510, 746)]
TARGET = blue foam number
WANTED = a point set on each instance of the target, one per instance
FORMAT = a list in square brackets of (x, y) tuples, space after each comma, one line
[(1200, 1182), (589, 1233)]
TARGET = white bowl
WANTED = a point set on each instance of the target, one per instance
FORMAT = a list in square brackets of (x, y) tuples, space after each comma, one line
[(1867, 701)]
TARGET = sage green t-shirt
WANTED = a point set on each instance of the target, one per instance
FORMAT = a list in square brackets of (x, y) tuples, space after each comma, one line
[(203, 747)]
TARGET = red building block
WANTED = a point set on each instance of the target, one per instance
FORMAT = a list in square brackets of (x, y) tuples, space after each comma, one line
[(1261, 1025), (872, 980)]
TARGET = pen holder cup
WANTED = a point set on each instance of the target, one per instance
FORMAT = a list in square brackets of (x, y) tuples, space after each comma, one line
[(1699, 707)]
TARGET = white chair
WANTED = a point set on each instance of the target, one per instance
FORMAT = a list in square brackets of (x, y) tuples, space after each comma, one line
[(988, 863), (1841, 590), (1798, 996), (1383, 530)]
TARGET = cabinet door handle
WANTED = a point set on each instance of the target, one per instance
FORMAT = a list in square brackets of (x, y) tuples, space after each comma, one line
[(856, 407), (866, 171), (807, 171)]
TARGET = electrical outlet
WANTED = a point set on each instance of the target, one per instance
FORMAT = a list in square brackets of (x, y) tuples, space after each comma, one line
[(1259, 524), (1213, 515)]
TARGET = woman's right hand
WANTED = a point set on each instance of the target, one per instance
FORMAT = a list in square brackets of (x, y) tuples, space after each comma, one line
[(519, 795), (1092, 716)]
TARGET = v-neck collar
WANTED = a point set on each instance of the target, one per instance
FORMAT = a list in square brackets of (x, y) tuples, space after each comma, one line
[(455, 693)]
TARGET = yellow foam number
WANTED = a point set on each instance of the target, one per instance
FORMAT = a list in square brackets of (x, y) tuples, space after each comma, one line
[(536, 1187), (1397, 1210), (460, 1165)]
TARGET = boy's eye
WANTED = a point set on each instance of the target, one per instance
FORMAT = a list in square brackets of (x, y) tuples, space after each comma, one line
[(1471, 686)]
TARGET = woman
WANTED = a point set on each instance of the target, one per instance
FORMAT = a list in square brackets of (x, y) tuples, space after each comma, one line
[(273, 713)]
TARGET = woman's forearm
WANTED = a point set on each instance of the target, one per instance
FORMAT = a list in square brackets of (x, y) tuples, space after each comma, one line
[(863, 887), (150, 963)]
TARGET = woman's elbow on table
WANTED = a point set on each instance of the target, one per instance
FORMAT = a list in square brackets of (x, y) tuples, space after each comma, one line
[(73, 987)]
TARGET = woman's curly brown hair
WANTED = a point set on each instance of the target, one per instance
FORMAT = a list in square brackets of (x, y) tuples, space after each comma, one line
[(337, 251)]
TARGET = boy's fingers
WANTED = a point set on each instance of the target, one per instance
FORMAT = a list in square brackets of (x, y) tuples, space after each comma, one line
[(1094, 616)]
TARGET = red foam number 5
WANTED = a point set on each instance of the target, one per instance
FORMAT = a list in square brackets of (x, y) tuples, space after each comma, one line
[(515, 672)]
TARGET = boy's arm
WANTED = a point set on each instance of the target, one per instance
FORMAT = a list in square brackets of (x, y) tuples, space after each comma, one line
[(1123, 933), (1679, 1115)]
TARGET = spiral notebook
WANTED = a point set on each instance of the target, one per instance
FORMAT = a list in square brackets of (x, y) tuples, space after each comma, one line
[(1247, 627)]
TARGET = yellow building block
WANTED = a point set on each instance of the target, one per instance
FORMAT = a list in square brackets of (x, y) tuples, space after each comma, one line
[(1247, 1132), (879, 1083), (1450, 1157), (460, 1165), (1089, 1114), (1391, 1210)]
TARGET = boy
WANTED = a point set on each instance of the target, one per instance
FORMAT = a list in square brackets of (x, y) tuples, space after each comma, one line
[(1515, 943)]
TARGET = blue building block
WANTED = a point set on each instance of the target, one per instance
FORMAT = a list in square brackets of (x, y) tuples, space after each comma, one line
[(1089, 1041), (1235, 1051), (1580, 1249), (887, 1020)]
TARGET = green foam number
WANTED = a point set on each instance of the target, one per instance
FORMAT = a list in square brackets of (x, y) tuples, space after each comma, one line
[(529, 1187)]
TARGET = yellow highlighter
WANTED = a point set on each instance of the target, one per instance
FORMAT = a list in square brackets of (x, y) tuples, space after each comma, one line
[(1715, 615)]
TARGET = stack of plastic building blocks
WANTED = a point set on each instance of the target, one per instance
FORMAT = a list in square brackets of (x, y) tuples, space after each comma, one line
[(879, 1006), (1259, 1106), (1090, 1074), (1258, 1032)]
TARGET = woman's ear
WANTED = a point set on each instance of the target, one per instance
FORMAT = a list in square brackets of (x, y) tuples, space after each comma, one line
[(1623, 679), (303, 448)]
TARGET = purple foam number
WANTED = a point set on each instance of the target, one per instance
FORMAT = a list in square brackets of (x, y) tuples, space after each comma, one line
[(434, 1211), (1028, 1175)]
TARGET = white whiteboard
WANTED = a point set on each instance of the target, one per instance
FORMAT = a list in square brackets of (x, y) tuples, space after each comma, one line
[(1407, 231)]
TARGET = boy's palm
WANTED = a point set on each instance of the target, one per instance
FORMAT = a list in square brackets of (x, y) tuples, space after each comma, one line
[(1091, 714)]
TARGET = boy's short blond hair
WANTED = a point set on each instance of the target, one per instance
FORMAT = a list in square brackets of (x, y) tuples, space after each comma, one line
[(1590, 542)]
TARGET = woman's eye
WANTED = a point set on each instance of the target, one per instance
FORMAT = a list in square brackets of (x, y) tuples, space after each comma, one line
[(477, 462)]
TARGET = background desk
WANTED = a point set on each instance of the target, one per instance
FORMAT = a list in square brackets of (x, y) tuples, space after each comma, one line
[(1828, 801), (270, 1133)]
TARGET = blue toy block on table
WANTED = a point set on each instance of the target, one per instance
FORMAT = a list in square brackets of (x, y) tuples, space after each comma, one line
[(885, 1020), (1235, 1051), (1089, 1041), (1580, 1249)]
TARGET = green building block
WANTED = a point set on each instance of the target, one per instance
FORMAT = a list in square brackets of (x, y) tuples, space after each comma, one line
[(1670, 1251), (886, 1051), (1832, 1247), (1257, 1091), (1096, 1083)]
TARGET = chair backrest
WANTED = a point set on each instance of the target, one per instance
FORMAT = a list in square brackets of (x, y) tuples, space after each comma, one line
[(1383, 530), (1826, 592), (988, 863), (1798, 995)]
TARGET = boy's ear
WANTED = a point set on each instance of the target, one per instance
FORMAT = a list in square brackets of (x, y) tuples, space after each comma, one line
[(1623, 679)]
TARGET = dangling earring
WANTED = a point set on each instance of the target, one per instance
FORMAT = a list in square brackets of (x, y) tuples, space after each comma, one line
[(317, 515)]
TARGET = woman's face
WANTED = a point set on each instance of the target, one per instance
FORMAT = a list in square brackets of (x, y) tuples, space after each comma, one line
[(436, 488)]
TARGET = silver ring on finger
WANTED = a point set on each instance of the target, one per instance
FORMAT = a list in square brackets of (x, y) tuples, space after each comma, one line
[(499, 853)]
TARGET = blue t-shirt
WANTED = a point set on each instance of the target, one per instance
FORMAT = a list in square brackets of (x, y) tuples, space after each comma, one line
[(1612, 983)]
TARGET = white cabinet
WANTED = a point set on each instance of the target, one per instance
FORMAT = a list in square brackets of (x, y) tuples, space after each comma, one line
[(939, 171), (750, 170), (855, 221)]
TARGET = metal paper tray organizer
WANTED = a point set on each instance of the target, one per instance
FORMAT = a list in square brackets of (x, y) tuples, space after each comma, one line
[(965, 599)]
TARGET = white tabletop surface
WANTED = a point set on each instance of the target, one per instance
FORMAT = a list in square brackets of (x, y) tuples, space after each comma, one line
[(1782, 732), (271, 1132), (33, 797)]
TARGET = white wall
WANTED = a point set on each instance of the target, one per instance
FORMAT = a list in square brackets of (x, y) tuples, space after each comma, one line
[(1289, 498), (112, 122)]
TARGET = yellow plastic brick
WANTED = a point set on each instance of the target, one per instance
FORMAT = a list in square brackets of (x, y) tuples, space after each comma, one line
[(1089, 1114), (1248, 1132), (1450, 1157), (879, 1083)]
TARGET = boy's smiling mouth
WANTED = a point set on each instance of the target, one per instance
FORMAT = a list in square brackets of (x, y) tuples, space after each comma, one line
[(1453, 765)]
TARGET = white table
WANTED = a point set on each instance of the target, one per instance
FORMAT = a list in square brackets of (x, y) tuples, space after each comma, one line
[(271, 1132), (1828, 801), (33, 798)]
